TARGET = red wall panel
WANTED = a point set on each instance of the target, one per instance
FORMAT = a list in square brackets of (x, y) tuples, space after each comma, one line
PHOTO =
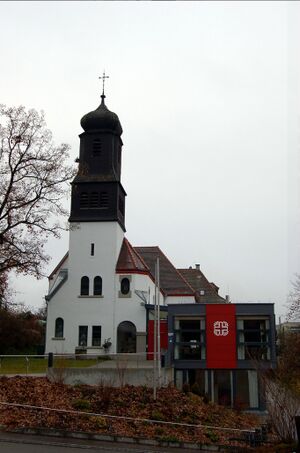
[(163, 337), (221, 336)]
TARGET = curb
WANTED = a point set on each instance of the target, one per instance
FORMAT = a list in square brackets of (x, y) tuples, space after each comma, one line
[(115, 438)]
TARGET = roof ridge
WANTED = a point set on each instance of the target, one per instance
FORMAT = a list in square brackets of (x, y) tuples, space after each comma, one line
[(131, 252), (59, 264)]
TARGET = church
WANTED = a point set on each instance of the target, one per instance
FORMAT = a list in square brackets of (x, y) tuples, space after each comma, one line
[(101, 294), (101, 288)]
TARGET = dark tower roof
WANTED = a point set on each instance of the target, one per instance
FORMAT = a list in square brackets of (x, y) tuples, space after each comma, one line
[(100, 119)]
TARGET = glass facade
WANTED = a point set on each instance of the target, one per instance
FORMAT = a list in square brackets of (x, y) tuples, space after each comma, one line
[(235, 386), (189, 339), (253, 339)]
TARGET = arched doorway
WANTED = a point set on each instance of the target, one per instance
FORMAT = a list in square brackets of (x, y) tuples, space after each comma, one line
[(126, 337)]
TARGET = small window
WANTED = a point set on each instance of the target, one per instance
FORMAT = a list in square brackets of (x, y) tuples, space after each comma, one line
[(94, 200), (97, 286), (103, 200), (84, 200), (97, 147), (125, 286), (96, 337), (83, 335), (59, 328), (92, 249), (85, 286)]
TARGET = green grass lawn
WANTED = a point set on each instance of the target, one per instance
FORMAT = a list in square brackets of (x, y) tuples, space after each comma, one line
[(19, 365)]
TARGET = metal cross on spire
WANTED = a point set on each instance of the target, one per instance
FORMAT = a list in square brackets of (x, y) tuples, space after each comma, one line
[(103, 77)]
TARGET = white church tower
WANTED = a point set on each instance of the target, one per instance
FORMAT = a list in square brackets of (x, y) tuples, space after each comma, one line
[(103, 289), (85, 280)]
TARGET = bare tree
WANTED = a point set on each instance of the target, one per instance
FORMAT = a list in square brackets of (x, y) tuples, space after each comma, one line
[(33, 177), (294, 300)]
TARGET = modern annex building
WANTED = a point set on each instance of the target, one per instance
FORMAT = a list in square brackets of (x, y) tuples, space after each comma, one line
[(101, 294)]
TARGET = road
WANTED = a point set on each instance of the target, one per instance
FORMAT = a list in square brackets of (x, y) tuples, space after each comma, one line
[(24, 443)]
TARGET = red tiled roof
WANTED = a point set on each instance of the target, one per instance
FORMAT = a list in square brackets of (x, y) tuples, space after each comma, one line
[(172, 282), (129, 260), (199, 282)]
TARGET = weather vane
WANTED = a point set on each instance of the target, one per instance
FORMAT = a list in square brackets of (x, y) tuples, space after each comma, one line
[(103, 77)]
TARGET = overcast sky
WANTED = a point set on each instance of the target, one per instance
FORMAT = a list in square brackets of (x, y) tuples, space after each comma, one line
[(208, 97)]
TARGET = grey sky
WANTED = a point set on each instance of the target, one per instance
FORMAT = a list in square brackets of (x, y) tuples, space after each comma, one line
[(208, 97)]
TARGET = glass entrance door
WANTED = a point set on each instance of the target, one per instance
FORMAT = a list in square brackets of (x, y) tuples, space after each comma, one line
[(222, 387)]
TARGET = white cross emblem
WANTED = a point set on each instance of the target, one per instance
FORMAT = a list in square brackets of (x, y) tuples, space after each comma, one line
[(221, 328)]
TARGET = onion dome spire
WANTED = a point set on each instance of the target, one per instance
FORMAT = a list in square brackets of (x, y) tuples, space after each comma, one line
[(101, 118)]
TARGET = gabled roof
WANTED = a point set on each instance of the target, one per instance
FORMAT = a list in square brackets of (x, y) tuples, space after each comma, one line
[(130, 261), (199, 282), (58, 266), (172, 282)]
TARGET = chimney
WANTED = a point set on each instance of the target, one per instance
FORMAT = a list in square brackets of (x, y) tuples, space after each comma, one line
[(197, 266), (227, 299)]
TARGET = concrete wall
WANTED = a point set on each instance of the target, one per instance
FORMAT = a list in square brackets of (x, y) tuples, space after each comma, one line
[(115, 376)]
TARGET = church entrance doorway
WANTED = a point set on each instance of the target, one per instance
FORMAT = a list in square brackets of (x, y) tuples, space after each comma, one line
[(126, 337)]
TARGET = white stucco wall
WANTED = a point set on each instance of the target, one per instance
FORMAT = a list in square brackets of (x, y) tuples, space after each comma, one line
[(79, 310)]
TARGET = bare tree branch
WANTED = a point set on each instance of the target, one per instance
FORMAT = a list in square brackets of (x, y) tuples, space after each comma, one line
[(33, 182)]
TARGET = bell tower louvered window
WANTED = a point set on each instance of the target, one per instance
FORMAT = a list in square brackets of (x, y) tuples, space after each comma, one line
[(97, 147), (103, 200), (94, 200), (84, 200)]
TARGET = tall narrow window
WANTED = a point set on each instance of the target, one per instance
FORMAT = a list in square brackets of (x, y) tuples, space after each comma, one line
[(103, 200), (92, 249), (97, 286), (59, 328), (96, 336), (84, 200), (125, 286), (85, 286), (97, 147), (83, 335)]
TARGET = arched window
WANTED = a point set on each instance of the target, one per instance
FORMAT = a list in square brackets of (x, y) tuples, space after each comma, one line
[(84, 200), (126, 337), (85, 286), (97, 286), (59, 328), (125, 285)]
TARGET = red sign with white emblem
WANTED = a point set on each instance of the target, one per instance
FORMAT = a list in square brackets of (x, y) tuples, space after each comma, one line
[(220, 336)]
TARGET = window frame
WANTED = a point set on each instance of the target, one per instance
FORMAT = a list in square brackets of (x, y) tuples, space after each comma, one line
[(98, 293), (84, 288), (86, 328), (94, 337), (57, 329)]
